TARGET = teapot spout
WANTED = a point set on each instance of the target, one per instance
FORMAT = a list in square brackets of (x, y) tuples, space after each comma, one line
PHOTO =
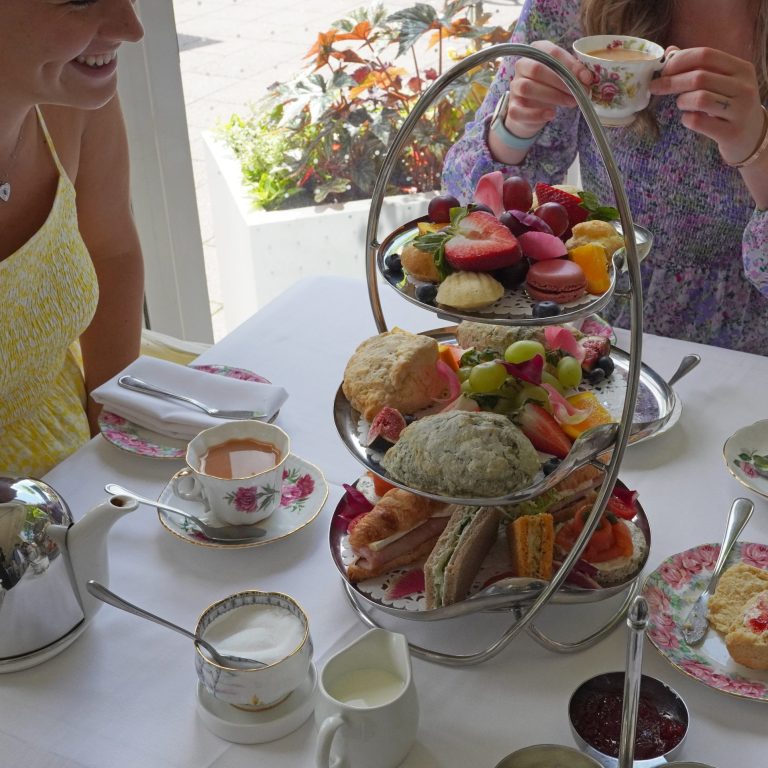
[(86, 547)]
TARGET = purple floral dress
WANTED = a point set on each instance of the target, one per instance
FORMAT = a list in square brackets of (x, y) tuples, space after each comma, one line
[(706, 278)]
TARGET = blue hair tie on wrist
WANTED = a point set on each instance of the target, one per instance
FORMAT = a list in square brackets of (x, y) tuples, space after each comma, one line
[(503, 134)]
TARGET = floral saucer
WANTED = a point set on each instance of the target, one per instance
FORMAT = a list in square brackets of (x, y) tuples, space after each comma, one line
[(671, 590), (144, 442), (303, 496), (746, 456)]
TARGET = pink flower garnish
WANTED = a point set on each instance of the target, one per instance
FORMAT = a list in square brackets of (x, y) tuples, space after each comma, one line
[(409, 583)]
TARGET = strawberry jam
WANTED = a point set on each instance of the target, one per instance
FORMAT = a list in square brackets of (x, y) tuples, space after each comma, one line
[(598, 722)]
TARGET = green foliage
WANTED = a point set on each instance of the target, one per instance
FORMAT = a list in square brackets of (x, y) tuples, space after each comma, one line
[(321, 136)]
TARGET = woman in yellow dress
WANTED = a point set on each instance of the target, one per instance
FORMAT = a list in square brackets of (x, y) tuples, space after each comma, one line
[(70, 261)]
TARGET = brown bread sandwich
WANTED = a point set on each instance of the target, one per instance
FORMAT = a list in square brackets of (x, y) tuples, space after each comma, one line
[(458, 554), (400, 529)]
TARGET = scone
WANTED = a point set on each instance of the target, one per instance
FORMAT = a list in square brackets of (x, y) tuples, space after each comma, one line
[(747, 639), (595, 231), (469, 290), (419, 264), (398, 369), (463, 454), (737, 585)]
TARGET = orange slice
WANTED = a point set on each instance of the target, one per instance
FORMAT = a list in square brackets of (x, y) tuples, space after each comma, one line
[(596, 414), (593, 261)]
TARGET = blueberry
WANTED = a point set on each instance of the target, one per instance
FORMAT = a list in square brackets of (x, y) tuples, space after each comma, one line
[(606, 364), (596, 376), (426, 292), (550, 465), (392, 262), (546, 309)]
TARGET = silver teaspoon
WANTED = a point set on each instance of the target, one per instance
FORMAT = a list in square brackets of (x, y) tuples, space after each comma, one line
[(229, 533), (107, 596)]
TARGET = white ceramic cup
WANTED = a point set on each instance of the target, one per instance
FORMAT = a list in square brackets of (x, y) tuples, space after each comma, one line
[(240, 500), (619, 88), (286, 668), (366, 708)]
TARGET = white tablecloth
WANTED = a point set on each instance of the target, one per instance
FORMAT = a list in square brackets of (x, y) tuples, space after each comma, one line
[(123, 695)]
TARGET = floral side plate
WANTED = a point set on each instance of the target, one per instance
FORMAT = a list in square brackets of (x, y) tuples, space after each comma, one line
[(304, 493), (144, 442), (671, 590), (746, 456)]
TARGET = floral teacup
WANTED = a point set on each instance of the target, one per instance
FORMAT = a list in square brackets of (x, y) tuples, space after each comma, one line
[(622, 68), (235, 500)]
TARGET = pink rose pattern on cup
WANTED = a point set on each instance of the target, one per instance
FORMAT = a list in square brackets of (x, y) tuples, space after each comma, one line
[(610, 89), (670, 590)]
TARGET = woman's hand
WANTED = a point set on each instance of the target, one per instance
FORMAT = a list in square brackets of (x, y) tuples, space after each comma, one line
[(536, 91), (718, 96)]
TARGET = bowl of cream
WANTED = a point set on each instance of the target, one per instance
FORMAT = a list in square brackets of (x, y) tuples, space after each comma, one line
[(268, 626)]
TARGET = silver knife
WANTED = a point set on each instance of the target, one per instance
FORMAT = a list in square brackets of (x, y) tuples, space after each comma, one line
[(695, 624)]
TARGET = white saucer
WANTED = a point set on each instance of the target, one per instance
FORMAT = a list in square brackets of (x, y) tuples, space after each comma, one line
[(242, 727), (741, 452)]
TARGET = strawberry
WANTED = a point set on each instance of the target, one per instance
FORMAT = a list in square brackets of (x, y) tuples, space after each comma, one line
[(480, 243), (543, 431), (573, 204)]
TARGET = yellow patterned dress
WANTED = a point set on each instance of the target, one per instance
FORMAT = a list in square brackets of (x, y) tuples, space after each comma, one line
[(48, 295)]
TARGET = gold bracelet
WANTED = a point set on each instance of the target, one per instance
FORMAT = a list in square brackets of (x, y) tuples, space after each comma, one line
[(761, 147)]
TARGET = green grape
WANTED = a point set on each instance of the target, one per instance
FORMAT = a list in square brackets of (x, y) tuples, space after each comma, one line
[(520, 351), (465, 387), (464, 372), (532, 392), (487, 377), (548, 378), (569, 372)]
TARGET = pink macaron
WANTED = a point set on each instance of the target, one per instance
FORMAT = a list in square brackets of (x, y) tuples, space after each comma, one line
[(557, 280)]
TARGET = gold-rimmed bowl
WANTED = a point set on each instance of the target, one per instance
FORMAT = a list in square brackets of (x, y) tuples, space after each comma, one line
[(284, 668)]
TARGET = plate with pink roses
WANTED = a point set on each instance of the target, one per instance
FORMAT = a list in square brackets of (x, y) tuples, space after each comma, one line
[(746, 456), (303, 495), (671, 591)]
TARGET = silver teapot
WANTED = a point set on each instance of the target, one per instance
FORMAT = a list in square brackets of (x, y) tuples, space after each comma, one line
[(45, 561)]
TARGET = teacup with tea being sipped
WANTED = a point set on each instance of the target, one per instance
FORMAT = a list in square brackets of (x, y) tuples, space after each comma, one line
[(622, 68), (236, 470)]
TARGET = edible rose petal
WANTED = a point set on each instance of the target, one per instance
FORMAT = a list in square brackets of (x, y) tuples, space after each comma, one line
[(563, 411), (451, 379), (529, 371), (409, 583), (489, 191), (558, 337)]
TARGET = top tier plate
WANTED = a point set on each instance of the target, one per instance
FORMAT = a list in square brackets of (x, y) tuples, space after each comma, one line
[(515, 307)]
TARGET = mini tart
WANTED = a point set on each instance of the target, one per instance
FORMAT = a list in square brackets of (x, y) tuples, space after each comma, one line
[(469, 290)]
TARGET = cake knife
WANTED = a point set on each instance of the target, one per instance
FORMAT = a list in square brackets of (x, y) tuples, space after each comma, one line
[(695, 624)]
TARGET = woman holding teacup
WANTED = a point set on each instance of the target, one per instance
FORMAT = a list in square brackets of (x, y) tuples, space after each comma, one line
[(694, 162), (70, 259)]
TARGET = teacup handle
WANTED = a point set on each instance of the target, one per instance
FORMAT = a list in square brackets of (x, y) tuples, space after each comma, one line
[(325, 741), (196, 492)]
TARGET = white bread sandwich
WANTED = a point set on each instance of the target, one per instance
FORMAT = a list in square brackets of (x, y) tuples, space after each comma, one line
[(458, 554), (401, 528)]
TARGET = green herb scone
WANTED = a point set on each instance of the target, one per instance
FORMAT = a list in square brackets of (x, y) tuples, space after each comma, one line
[(463, 454)]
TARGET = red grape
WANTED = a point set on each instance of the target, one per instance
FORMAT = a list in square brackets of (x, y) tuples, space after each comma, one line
[(555, 215), (518, 222), (439, 210), (516, 193)]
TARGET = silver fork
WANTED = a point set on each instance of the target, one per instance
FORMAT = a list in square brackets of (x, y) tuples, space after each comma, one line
[(137, 385)]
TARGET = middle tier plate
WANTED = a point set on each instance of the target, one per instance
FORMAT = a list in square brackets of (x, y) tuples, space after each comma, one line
[(657, 408)]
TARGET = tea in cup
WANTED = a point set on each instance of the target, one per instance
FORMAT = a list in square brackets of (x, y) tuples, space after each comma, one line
[(622, 67), (236, 470), (269, 627), (366, 707)]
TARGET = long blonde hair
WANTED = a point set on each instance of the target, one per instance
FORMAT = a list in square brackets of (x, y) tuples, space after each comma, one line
[(650, 19)]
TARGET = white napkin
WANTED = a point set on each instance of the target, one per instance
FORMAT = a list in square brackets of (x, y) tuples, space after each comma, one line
[(173, 418)]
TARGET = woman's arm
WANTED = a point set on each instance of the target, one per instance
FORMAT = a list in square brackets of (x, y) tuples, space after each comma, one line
[(113, 338)]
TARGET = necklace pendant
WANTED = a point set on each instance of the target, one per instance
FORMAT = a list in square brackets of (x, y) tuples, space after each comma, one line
[(5, 191)]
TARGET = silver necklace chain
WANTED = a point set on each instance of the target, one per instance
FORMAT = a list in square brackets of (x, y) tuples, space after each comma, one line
[(5, 184)]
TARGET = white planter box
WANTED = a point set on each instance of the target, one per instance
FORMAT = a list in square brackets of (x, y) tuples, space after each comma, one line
[(262, 253)]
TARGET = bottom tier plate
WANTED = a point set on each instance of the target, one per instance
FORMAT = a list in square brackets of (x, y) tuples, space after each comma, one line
[(499, 595)]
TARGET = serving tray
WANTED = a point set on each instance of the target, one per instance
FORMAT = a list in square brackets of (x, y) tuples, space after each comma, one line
[(503, 595), (515, 307), (657, 407)]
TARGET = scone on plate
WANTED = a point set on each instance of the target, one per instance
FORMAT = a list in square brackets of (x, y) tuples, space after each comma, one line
[(469, 290), (398, 369), (747, 639), (737, 585)]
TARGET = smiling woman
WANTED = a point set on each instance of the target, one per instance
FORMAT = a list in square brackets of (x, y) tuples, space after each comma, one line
[(70, 261)]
